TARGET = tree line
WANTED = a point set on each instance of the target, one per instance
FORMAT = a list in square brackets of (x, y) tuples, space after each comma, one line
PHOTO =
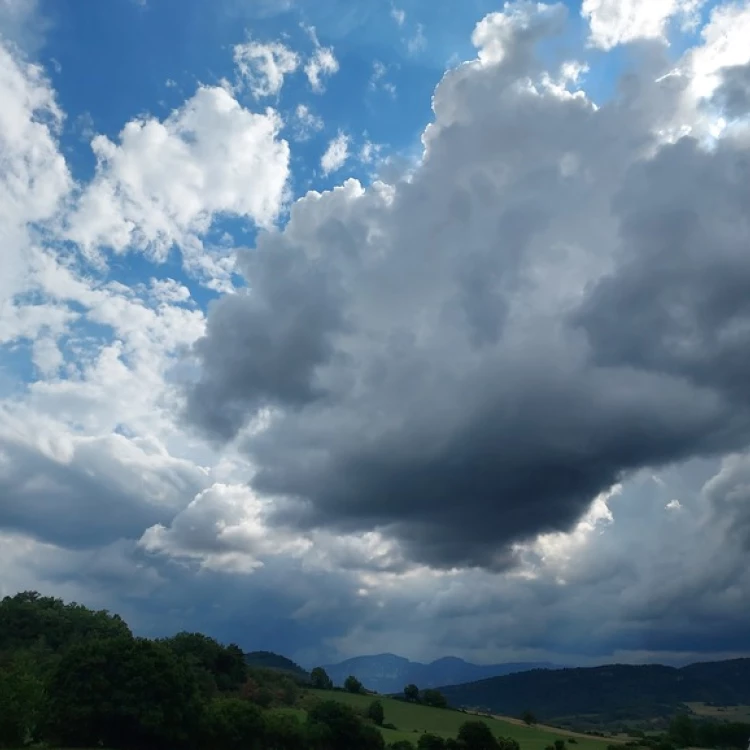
[(77, 678)]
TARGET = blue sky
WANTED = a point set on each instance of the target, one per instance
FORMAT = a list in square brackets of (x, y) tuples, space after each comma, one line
[(335, 328)]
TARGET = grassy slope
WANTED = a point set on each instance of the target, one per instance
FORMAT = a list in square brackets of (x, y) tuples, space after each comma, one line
[(723, 713), (411, 720)]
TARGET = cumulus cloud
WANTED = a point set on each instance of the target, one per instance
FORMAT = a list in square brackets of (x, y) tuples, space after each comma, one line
[(223, 527), (465, 359), (444, 398), (34, 179), (723, 47), (614, 22), (336, 154), (264, 66), (165, 181)]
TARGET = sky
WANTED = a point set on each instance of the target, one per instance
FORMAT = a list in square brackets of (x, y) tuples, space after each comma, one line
[(343, 328)]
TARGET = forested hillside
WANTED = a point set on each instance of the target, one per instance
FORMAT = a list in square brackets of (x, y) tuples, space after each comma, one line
[(72, 677), (614, 692)]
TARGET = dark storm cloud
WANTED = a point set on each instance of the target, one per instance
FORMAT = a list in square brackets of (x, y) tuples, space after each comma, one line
[(677, 302), (298, 306), (282, 607), (465, 359), (733, 95)]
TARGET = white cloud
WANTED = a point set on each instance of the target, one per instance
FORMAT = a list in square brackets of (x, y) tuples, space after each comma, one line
[(34, 178), (614, 22), (165, 181), (398, 15), (377, 78), (370, 152), (305, 123), (263, 66), (724, 44), (418, 42), (322, 64), (22, 23), (169, 291), (223, 528), (504, 221), (336, 154)]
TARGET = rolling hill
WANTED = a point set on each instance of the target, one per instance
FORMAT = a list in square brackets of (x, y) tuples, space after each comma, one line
[(388, 673), (613, 692), (411, 720)]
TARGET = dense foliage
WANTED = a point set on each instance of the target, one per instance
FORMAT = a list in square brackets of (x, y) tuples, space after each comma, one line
[(72, 677)]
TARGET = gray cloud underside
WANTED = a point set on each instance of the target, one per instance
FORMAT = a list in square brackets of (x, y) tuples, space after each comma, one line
[(553, 299)]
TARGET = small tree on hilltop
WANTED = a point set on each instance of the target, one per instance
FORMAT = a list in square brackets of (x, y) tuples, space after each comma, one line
[(352, 684), (528, 718), (320, 680), (476, 735), (411, 693), (376, 713)]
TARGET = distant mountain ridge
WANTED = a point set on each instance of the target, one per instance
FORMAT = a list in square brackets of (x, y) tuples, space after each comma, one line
[(614, 692), (388, 673)]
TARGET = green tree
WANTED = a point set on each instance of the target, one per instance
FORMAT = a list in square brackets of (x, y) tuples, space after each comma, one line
[(559, 744), (682, 731), (125, 692), (335, 726), (320, 680), (232, 724), (29, 618), (376, 713), (411, 693), (430, 742), (21, 699), (401, 745), (528, 718), (432, 697), (284, 732), (352, 684), (476, 735), (225, 664), (507, 743)]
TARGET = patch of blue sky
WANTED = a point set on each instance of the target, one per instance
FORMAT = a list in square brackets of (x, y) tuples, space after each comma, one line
[(116, 60)]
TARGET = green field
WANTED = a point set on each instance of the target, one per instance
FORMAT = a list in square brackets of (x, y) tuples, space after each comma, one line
[(411, 720), (724, 713)]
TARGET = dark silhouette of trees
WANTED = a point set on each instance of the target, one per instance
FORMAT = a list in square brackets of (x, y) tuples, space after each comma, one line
[(411, 693), (123, 693), (353, 685), (429, 741), (476, 735), (320, 680), (376, 713)]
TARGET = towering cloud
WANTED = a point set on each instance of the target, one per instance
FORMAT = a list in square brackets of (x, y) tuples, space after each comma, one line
[(554, 298)]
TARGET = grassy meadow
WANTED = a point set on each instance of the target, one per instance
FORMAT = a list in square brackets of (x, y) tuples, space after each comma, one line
[(722, 713), (411, 720)]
